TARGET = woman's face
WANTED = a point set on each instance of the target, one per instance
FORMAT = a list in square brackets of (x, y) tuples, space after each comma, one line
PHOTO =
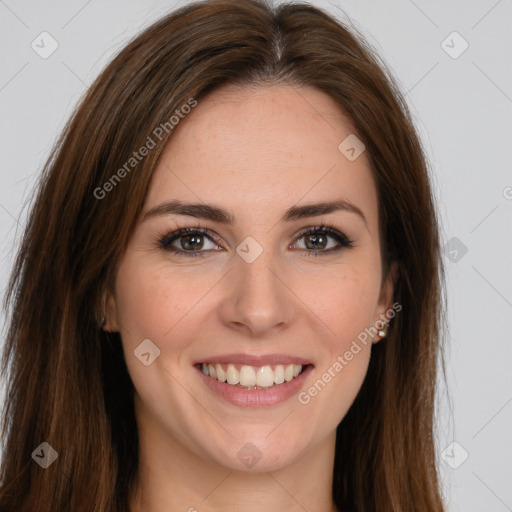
[(258, 293)]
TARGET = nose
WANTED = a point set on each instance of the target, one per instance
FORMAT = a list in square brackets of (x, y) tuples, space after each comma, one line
[(256, 299)]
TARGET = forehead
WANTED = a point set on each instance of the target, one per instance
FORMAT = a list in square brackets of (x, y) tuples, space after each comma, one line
[(263, 149)]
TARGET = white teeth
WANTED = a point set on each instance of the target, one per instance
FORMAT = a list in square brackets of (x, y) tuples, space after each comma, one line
[(250, 376), (221, 374), (265, 377), (279, 374), (232, 375), (288, 373), (247, 376)]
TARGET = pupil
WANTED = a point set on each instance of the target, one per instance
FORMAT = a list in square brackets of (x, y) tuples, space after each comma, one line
[(315, 241), (194, 245)]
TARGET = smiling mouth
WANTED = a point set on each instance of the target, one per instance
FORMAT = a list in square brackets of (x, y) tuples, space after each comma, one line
[(252, 377)]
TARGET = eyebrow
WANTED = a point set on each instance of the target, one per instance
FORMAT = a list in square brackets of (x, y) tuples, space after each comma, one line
[(216, 214)]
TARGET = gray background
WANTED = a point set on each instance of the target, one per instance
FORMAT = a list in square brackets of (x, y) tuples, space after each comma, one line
[(463, 109)]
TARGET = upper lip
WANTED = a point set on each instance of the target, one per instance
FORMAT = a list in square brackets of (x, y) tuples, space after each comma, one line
[(253, 360)]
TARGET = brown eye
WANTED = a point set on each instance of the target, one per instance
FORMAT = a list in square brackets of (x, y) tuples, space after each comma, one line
[(191, 242), (315, 241), (323, 240), (188, 242)]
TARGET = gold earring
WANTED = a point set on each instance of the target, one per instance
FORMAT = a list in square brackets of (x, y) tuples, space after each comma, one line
[(383, 331)]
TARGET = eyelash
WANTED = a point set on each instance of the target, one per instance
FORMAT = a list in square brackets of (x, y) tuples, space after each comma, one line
[(165, 240)]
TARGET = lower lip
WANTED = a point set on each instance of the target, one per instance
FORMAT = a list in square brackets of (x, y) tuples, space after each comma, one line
[(256, 397)]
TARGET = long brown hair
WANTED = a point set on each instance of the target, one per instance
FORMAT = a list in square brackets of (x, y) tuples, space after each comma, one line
[(67, 381)]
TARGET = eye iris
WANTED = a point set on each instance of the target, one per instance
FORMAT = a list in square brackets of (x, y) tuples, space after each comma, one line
[(195, 244), (314, 239)]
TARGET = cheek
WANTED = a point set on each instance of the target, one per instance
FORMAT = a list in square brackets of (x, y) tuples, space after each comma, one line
[(155, 304), (152, 301), (343, 301), (345, 308)]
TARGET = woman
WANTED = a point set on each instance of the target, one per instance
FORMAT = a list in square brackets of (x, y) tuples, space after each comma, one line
[(228, 292)]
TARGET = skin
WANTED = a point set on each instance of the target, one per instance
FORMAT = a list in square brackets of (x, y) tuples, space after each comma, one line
[(254, 151)]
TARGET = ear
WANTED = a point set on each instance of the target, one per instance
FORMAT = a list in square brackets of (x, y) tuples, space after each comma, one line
[(110, 312), (385, 301)]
